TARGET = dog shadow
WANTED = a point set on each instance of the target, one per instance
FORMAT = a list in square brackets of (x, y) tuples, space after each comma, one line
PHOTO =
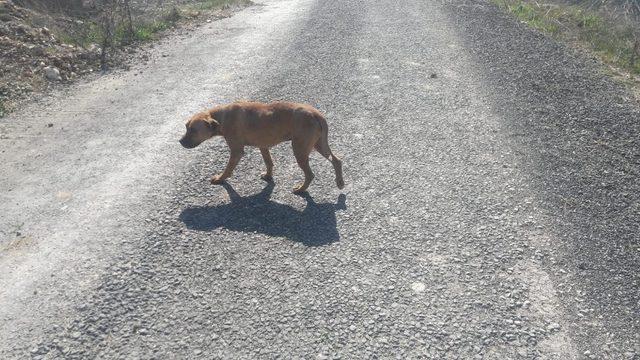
[(314, 226)]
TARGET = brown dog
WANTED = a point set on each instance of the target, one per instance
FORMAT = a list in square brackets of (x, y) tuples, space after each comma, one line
[(263, 126)]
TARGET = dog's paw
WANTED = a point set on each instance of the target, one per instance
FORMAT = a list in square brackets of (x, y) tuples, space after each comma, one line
[(340, 183), (217, 180), (266, 177), (299, 190)]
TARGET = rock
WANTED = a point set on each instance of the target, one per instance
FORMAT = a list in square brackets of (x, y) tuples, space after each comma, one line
[(93, 48), (89, 4), (418, 287), (553, 327), (52, 73)]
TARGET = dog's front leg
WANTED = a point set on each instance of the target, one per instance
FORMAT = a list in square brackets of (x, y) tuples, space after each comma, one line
[(234, 159)]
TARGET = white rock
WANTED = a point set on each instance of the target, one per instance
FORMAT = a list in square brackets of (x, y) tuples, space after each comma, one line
[(89, 4), (94, 48), (418, 287), (52, 73), (553, 327)]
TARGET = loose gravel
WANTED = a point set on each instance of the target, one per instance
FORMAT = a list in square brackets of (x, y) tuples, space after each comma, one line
[(448, 241), (577, 136)]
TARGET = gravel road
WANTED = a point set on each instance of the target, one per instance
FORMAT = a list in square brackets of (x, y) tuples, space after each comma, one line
[(491, 208)]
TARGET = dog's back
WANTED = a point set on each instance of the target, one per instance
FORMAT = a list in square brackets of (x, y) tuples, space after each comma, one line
[(266, 125)]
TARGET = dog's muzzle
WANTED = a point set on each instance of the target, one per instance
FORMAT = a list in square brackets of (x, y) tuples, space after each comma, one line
[(187, 144)]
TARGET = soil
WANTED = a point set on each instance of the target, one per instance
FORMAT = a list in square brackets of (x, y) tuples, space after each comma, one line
[(30, 42)]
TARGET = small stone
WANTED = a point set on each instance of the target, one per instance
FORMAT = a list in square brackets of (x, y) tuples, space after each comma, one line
[(197, 352), (522, 352), (52, 73), (89, 4), (553, 327), (76, 334), (418, 287), (433, 76), (94, 48)]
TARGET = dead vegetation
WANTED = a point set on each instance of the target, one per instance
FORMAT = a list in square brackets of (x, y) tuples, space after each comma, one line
[(609, 29), (45, 42)]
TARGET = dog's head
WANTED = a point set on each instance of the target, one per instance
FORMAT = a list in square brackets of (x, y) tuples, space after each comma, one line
[(200, 127)]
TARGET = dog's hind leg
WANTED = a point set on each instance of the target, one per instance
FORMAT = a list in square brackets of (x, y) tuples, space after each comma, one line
[(322, 146), (301, 150), (234, 159), (266, 156)]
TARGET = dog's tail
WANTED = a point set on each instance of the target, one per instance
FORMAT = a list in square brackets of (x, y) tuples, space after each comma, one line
[(322, 146)]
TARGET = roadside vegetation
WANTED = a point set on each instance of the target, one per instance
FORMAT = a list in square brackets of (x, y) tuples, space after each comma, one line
[(609, 29), (44, 42), (119, 23)]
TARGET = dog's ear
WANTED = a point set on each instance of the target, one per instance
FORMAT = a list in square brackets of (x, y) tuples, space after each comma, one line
[(213, 125)]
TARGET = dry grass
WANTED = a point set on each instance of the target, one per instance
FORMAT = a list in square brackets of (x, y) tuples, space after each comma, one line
[(78, 40), (609, 29)]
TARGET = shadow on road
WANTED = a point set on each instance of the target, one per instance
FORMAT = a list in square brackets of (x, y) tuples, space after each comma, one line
[(314, 226)]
